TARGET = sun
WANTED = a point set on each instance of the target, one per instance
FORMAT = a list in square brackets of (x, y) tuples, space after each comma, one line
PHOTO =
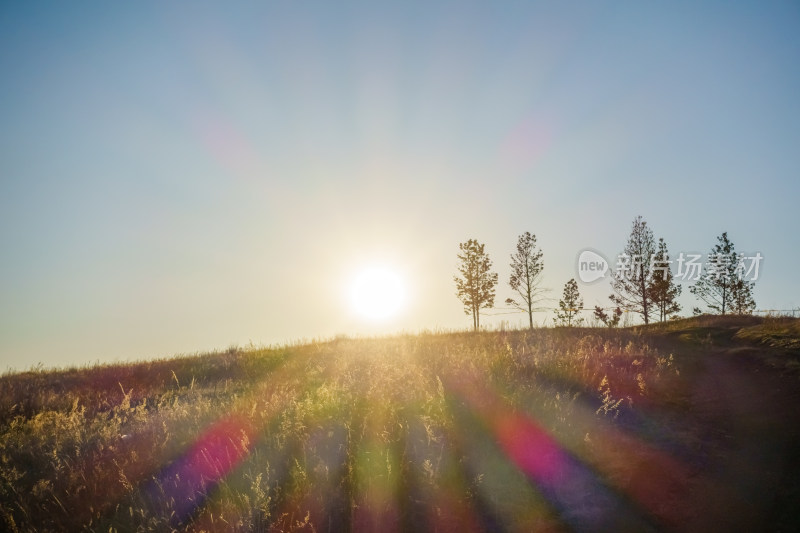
[(377, 293)]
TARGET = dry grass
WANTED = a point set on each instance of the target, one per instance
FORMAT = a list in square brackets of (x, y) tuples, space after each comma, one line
[(521, 430), (780, 332)]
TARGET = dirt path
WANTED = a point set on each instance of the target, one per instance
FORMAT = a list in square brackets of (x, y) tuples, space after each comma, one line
[(750, 413)]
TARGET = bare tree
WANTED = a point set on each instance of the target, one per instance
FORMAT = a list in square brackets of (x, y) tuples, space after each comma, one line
[(631, 282), (722, 287), (569, 305), (476, 285), (525, 278)]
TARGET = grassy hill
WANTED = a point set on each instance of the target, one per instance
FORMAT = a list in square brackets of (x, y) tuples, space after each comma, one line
[(691, 425)]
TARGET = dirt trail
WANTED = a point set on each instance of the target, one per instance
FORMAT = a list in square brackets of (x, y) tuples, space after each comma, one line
[(752, 415)]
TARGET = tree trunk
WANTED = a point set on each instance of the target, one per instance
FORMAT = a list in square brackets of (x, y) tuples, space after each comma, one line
[(724, 297), (530, 297), (644, 295)]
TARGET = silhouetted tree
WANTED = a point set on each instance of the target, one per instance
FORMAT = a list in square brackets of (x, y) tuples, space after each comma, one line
[(526, 267), (743, 302), (570, 305), (476, 285), (663, 289), (723, 287), (610, 321), (631, 281)]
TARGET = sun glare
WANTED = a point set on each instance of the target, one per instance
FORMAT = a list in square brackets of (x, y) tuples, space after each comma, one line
[(377, 293)]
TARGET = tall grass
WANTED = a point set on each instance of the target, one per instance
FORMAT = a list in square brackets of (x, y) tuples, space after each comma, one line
[(519, 430)]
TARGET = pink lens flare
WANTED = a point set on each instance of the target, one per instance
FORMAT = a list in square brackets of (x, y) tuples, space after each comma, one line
[(582, 500), (190, 478)]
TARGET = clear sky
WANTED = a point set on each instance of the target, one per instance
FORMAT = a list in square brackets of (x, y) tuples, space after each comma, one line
[(179, 177)]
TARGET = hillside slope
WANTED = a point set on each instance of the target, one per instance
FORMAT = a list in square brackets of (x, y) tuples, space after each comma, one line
[(688, 426)]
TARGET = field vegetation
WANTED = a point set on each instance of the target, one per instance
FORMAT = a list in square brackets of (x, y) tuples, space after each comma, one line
[(684, 425)]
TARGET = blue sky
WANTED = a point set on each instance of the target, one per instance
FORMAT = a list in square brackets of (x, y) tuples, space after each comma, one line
[(182, 177)]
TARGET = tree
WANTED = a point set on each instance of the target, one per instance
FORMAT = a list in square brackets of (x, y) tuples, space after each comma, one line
[(743, 302), (526, 268), (476, 285), (663, 289), (631, 282), (610, 321), (569, 305), (723, 287)]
